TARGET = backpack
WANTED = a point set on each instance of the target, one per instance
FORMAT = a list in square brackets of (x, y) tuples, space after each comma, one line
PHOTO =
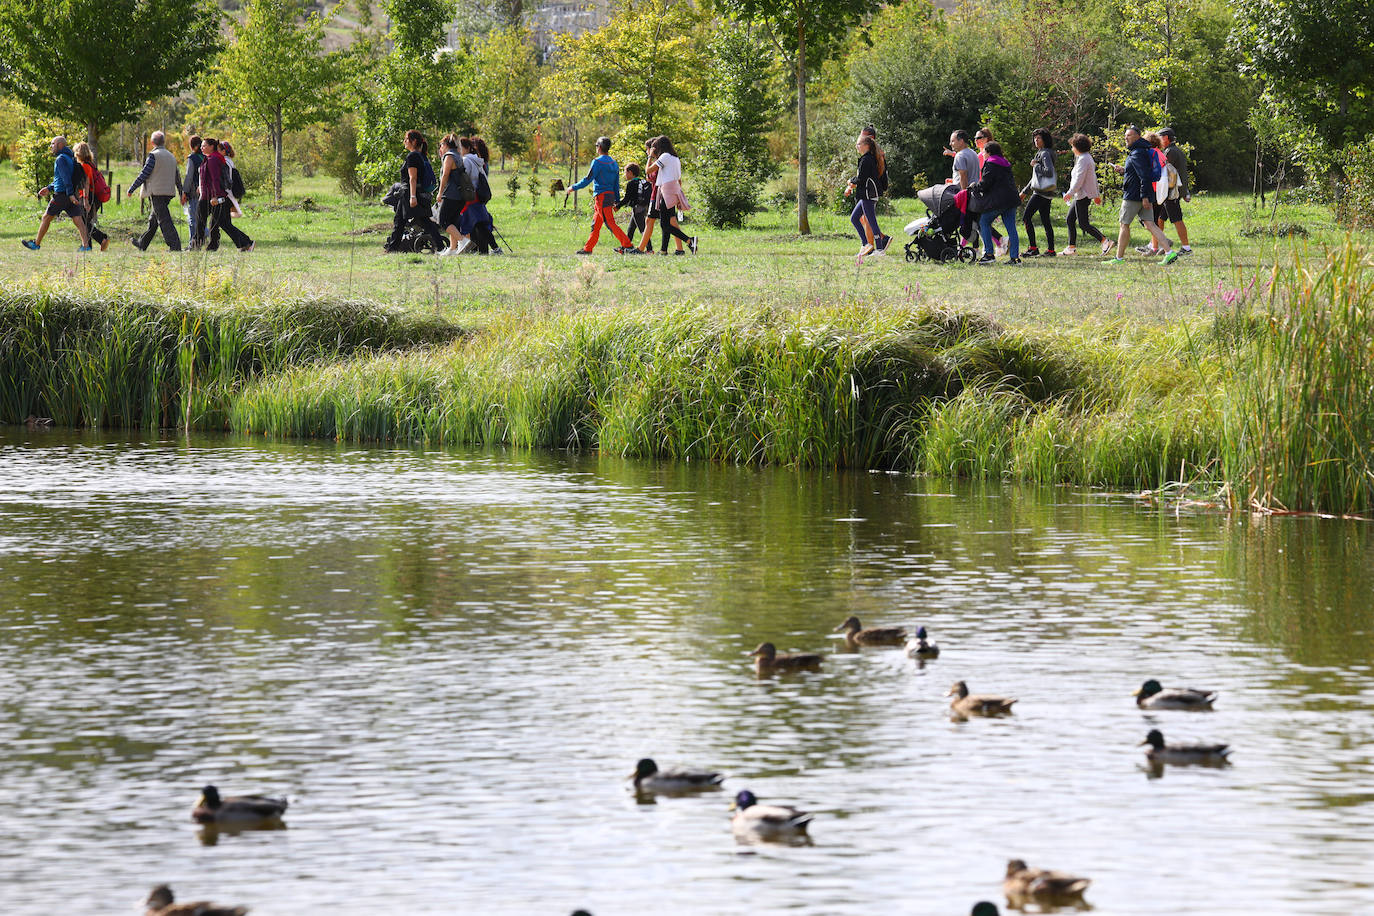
[(235, 183), (1156, 168), (100, 186), (427, 180), (466, 192), (483, 189), (78, 179)]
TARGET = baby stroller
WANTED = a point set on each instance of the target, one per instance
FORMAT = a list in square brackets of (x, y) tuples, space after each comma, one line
[(935, 236), (413, 238)]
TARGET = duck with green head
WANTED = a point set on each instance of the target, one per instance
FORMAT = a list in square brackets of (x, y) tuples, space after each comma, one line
[(768, 661), (237, 811), (161, 903), (649, 779), (921, 646), (755, 821), (856, 635), (1153, 696), (984, 908), (1182, 754)]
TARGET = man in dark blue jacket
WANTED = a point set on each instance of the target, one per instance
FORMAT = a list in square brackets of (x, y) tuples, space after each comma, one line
[(63, 200), (1137, 197)]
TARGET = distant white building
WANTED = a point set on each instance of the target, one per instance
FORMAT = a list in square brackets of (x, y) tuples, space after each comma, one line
[(549, 20)]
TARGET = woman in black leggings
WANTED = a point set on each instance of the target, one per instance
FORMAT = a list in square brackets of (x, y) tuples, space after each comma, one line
[(1040, 189), (1083, 188)]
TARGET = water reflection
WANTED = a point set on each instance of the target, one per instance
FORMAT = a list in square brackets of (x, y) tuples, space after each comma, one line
[(448, 659)]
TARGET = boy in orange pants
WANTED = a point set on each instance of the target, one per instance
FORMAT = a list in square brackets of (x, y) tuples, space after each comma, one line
[(604, 177)]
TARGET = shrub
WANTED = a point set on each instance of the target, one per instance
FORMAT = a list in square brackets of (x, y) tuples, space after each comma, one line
[(729, 194), (1355, 207)]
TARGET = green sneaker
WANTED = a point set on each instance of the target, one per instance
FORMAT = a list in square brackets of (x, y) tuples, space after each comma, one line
[(1171, 257), (1115, 261)]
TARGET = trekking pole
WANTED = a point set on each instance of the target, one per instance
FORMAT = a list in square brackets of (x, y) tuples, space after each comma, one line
[(499, 235)]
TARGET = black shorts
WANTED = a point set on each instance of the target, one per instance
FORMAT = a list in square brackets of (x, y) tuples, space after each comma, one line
[(62, 203), (655, 211), (449, 211), (1172, 210)]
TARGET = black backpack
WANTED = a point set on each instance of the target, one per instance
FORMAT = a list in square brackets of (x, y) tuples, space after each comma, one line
[(483, 189), (78, 179), (235, 183), (459, 178)]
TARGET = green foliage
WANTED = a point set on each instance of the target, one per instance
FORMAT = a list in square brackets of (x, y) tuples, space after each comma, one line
[(729, 193), (97, 64), (642, 71), (274, 76), (507, 75), (741, 103), (417, 26), (1355, 208), (407, 93), (33, 156)]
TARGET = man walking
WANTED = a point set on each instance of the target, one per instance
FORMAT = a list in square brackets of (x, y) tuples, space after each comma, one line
[(965, 172), (1171, 207), (190, 193), (1135, 197), (604, 176), (63, 201), (159, 182)]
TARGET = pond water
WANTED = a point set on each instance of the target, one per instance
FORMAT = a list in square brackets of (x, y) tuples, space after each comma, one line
[(450, 661)]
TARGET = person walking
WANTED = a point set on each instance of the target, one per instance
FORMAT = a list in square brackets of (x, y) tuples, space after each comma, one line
[(865, 188), (604, 177), (190, 194), (996, 193), (214, 198), (233, 180), (1041, 190), (415, 203), (456, 191), (61, 197), (639, 194), (1083, 189), (965, 172), (1172, 209), (668, 193), (88, 196), (159, 182), (981, 138), (1138, 173), (477, 222)]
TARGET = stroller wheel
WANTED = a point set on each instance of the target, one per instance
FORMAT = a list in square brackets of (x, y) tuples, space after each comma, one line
[(910, 256), (968, 255), (949, 253)]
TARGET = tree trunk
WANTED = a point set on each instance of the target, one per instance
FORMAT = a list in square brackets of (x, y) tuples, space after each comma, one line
[(93, 140), (803, 224), (276, 153)]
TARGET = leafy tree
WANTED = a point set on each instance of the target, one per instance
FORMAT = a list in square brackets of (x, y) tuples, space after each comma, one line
[(741, 103), (96, 63), (642, 70), (274, 76), (806, 31), (507, 71), (1317, 54)]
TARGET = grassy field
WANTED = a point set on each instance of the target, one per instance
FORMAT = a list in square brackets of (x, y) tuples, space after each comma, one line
[(319, 241)]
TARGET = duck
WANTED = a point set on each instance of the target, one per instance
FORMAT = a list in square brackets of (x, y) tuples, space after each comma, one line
[(649, 778), (1207, 754), (984, 908), (1152, 696), (768, 661), (977, 704), (856, 635), (239, 811), (161, 903), (1023, 883), (921, 647), (33, 422), (753, 821)]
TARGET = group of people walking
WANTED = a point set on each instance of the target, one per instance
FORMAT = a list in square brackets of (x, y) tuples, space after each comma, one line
[(1155, 184), (210, 193), (654, 197), (461, 189)]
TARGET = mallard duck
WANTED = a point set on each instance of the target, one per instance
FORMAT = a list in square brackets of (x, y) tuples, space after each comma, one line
[(160, 903), (921, 647), (984, 908), (239, 811), (1040, 885), (1159, 752), (33, 422), (856, 635), (768, 661), (766, 822), (1152, 696), (977, 704), (649, 778)]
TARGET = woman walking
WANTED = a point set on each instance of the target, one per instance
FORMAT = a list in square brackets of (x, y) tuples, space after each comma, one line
[(996, 193), (669, 194), (1040, 189), (456, 191), (481, 226), (90, 201), (415, 203), (655, 211), (214, 196), (865, 187), (1083, 189)]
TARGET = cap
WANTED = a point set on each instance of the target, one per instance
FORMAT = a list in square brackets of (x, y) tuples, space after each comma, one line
[(1167, 132)]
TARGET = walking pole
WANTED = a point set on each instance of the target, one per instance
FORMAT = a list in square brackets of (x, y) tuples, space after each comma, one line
[(502, 237)]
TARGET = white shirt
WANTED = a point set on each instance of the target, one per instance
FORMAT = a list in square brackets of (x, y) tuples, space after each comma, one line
[(669, 168)]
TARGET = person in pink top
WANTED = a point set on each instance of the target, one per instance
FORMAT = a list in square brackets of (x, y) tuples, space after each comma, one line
[(214, 193)]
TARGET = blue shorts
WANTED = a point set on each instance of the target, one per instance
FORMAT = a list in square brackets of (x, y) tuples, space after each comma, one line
[(474, 214)]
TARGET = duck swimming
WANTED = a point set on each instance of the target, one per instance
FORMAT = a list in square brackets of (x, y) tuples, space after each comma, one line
[(976, 704), (921, 647), (856, 635), (238, 811), (768, 661), (1152, 696), (161, 903), (649, 778), (1023, 884), (753, 821), (1205, 754)]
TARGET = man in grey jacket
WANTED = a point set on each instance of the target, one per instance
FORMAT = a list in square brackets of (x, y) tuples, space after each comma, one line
[(160, 181)]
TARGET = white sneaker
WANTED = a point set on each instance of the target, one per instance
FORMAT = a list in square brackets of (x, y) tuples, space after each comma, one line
[(463, 246), (880, 253), (1068, 252)]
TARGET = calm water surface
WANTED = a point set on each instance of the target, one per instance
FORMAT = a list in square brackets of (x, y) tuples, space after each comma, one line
[(450, 661)]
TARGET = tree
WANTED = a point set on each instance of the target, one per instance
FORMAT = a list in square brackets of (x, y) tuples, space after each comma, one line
[(806, 31), (507, 75), (642, 70), (96, 62), (274, 76), (741, 103)]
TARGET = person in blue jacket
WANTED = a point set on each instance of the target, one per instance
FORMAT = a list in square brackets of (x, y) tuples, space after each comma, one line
[(1137, 196), (61, 190), (604, 177)]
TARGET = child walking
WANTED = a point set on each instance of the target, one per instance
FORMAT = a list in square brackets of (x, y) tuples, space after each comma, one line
[(604, 176), (639, 193)]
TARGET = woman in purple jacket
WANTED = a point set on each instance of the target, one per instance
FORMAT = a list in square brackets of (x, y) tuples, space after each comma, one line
[(215, 195)]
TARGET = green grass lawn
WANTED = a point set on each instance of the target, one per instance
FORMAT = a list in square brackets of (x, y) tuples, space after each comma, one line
[(334, 248)]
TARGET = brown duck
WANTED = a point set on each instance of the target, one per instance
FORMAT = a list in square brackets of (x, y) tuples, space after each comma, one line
[(160, 903), (856, 635), (238, 811), (977, 704), (1024, 884), (768, 661)]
